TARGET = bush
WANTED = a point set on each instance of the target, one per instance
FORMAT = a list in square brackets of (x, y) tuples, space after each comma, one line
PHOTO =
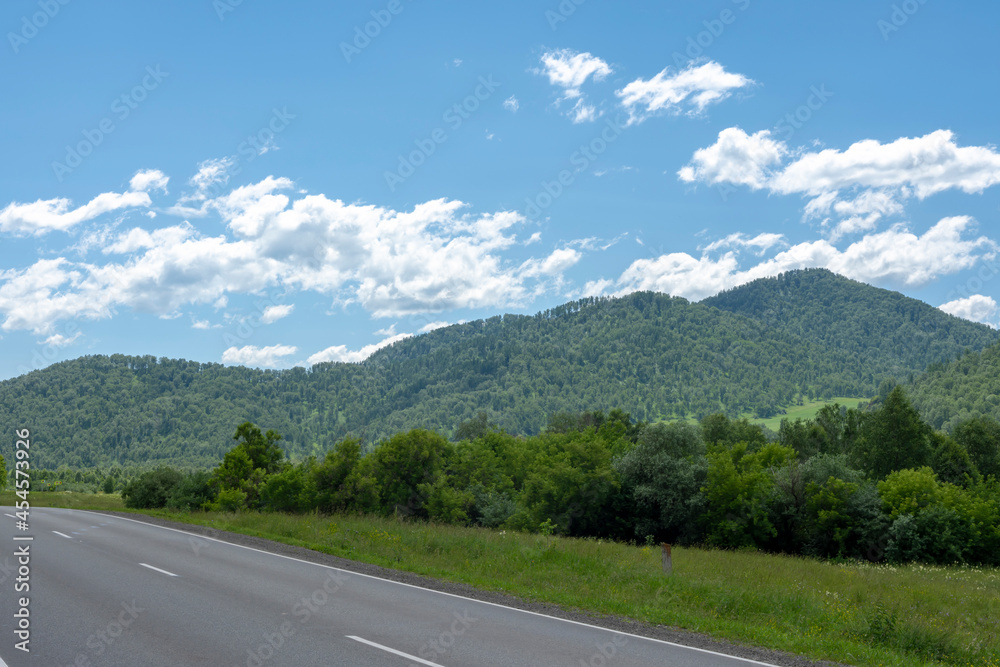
[(192, 492), (152, 489)]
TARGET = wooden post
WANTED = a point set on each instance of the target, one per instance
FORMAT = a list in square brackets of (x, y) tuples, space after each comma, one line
[(668, 565)]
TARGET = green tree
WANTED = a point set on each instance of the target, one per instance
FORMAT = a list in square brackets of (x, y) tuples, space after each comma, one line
[(663, 475), (401, 464), (3, 469), (151, 489), (336, 478), (262, 449), (893, 438), (980, 437), (738, 490), (246, 466)]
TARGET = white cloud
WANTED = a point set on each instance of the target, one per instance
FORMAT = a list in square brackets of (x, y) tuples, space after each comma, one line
[(736, 158), (434, 257), (434, 325), (926, 165), (877, 178), (272, 314), (570, 70), (342, 354), (977, 308), (48, 215), (691, 89), (762, 242), (150, 179), (894, 257), (58, 340), (251, 355), (511, 104), (555, 264), (583, 112)]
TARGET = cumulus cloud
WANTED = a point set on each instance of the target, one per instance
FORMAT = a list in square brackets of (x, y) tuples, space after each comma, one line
[(431, 326), (511, 104), (251, 355), (150, 179), (762, 242), (342, 354), (569, 70), (736, 158), (894, 257), (272, 314), (553, 265), (852, 190), (689, 90), (977, 308), (434, 257), (926, 165), (44, 216), (59, 340)]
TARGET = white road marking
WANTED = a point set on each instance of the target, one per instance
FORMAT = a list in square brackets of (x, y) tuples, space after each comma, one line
[(10, 515), (2, 663), (394, 651), (62, 534), (729, 656), (169, 574)]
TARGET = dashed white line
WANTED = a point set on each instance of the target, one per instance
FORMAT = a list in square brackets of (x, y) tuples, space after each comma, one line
[(62, 534), (394, 651), (169, 574)]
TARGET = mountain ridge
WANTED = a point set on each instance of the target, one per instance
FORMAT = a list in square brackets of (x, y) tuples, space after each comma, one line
[(750, 350)]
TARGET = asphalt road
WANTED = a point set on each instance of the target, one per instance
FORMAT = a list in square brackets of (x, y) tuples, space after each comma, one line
[(106, 590)]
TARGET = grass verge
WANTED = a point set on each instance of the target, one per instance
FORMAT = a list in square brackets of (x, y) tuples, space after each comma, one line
[(858, 614)]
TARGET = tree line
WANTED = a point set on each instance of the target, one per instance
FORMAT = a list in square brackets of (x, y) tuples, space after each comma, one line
[(877, 484)]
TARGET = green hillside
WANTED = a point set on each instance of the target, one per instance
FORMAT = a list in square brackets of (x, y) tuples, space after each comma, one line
[(808, 335), (963, 389)]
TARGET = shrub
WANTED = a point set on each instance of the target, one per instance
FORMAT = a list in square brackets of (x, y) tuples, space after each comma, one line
[(151, 489)]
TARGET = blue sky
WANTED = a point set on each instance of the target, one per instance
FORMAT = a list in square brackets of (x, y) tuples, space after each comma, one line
[(277, 184)]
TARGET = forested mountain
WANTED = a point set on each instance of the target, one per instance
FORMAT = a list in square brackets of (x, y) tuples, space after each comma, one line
[(750, 350), (961, 390), (842, 314)]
